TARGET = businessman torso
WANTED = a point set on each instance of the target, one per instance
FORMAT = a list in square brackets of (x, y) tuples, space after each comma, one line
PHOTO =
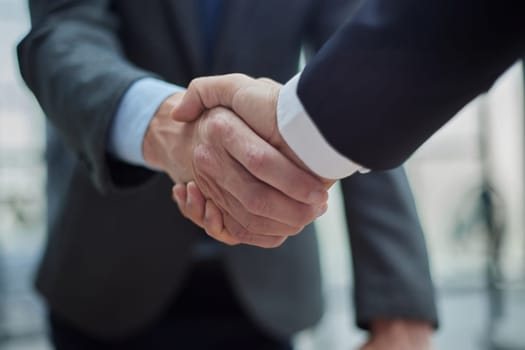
[(118, 249), (114, 261)]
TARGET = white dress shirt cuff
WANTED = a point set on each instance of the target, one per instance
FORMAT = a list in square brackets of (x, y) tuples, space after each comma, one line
[(305, 139), (137, 108)]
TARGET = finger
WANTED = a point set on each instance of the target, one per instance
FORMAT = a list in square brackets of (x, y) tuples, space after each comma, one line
[(213, 222), (256, 105), (213, 218), (214, 225), (189, 201), (254, 101), (205, 93), (224, 237), (254, 197), (179, 196), (220, 234), (270, 166), (255, 224), (195, 204), (239, 233)]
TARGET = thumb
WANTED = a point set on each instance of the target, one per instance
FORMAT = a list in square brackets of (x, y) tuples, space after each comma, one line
[(188, 108), (206, 93)]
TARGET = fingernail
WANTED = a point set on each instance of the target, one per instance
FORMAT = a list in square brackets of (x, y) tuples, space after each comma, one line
[(321, 210), (317, 197)]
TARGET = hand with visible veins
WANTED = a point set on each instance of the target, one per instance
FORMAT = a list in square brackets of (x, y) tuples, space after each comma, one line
[(259, 195), (254, 101)]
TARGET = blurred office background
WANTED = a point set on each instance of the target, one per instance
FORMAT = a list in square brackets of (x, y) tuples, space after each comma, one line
[(468, 181)]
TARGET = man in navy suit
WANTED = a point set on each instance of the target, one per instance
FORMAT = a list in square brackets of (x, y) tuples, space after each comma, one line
[(375, 92)]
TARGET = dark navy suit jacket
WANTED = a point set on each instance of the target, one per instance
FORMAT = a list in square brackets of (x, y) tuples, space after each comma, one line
[(402, 68)]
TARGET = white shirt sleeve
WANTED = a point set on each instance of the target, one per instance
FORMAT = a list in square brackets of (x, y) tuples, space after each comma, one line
[(305, 139)]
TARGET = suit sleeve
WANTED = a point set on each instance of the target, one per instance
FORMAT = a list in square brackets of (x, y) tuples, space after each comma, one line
[(390, 261), (391, 270), (400, 69), (73, 63), (326, 17)]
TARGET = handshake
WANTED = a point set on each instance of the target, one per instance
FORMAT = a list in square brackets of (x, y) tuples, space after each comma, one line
[(235, 175)]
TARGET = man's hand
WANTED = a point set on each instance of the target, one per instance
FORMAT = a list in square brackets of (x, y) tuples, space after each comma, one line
[(262, 196), (399, 335), (253, 100)]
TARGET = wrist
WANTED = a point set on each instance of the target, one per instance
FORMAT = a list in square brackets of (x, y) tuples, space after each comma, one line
[(166, 144), (412, 334)]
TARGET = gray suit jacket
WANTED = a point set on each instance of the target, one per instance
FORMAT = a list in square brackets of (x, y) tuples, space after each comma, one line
[(118, 248)]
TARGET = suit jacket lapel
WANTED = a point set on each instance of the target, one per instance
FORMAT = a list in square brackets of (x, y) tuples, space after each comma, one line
[(187, 24), (237, 15)]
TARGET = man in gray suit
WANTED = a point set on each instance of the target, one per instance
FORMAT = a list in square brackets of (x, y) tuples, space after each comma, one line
[(122, 268)]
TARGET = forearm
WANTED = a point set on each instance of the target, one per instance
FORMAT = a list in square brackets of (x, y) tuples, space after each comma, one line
[(391, 269), (73, 63), (167, 144), (399, 70), (325, 20)]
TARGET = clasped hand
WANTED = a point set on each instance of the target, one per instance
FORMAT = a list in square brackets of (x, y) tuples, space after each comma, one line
[(235, 176)]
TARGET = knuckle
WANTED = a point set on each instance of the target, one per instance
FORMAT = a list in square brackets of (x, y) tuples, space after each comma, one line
[(195, 85), (255, 158), (238, 76), (219, 126), (206, 96), (202, 157)]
